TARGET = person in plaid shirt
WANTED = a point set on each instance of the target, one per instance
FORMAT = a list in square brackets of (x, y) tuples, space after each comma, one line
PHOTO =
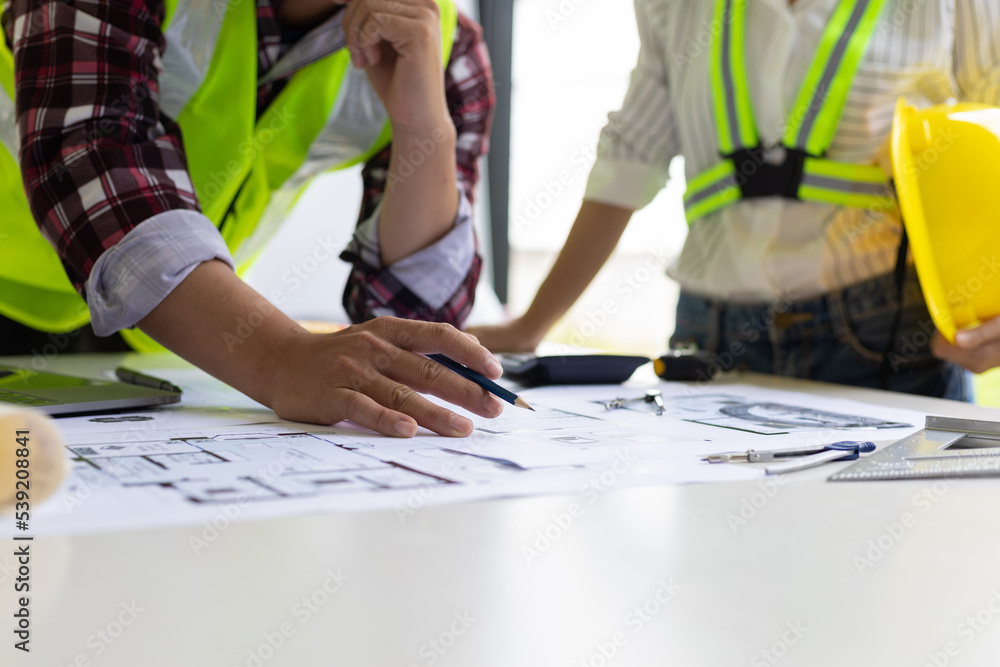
[(413, 254)]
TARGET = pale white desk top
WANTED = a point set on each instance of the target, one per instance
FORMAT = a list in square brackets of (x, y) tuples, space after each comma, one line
[(789, 581)]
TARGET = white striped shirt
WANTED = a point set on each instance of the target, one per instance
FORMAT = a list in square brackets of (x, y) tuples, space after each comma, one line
[(929, 51)]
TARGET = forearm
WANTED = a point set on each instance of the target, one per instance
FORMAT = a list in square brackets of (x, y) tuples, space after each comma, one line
[(399, 45), (220, 324), (594, 235), (421, 196)]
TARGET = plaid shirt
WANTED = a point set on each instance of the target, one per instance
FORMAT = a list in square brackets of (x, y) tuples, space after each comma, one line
[(98, 158)]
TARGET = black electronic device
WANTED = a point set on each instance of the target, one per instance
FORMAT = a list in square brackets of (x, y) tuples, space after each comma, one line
[(532, 370)]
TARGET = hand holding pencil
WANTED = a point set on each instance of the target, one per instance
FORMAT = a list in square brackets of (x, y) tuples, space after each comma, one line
[(374, 374), (484, 382), (371, 373)]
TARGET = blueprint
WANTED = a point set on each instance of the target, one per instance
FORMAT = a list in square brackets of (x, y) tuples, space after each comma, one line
[(220, 455)]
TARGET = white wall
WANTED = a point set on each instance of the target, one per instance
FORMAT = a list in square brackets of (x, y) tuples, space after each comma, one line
[(572, 60)]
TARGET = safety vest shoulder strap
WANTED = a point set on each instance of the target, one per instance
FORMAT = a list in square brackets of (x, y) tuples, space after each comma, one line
[(813, 121), (816, 113), (734, 121)]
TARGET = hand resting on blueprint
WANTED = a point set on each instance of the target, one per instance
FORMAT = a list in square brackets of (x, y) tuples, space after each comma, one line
[(369, 373)]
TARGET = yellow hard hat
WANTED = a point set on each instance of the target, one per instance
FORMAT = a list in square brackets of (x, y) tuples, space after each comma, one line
[(946, 167)]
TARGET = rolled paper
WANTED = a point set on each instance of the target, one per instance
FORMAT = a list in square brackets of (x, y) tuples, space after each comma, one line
[(46, 456)]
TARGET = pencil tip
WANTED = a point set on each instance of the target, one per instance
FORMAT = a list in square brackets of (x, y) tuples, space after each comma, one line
[(521, 403)]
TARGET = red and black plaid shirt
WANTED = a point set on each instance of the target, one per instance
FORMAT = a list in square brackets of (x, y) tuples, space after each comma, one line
[(83, 126)]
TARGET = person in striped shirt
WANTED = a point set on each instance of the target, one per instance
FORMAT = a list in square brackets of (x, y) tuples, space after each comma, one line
[(785, 282)]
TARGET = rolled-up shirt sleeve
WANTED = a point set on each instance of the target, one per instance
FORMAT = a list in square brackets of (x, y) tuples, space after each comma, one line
[(640, 139), (432, 274), (134, 276)]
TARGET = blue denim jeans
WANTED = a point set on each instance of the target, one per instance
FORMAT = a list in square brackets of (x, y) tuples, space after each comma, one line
[(837, 337)]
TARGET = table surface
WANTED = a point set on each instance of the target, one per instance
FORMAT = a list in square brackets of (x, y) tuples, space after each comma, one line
[(792, 570)]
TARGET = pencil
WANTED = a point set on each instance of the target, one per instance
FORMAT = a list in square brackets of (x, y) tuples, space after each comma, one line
[(483, 381)]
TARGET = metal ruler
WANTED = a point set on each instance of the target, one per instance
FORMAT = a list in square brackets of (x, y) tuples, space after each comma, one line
[(946, 447)]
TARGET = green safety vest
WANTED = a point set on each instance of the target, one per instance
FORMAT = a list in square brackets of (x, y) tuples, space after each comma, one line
[(246, 172), (747, 170)]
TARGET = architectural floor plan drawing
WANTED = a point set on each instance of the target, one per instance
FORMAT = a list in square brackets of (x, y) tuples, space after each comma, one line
[(254, 464), (192, 464)]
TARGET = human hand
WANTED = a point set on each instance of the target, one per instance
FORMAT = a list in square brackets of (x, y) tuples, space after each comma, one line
[(370, 374), (399, 44), (976, 349), (513, 336)]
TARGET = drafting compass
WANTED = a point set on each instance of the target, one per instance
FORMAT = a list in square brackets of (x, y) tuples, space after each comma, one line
[(652, 396)]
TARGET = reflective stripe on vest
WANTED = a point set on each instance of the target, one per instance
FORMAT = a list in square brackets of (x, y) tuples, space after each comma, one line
[(8, 121), (191, 40), (812, 122), (239, 167)]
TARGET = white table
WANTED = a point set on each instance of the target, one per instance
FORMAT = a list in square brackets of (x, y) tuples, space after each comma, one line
[(822, 574)]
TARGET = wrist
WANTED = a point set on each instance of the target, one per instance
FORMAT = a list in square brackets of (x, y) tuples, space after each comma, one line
[(219, 323), (432, 119), (274, 357), (437, 128)]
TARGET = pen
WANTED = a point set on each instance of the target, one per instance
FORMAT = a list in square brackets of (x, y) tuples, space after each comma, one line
[(483, 381), (129, 376)]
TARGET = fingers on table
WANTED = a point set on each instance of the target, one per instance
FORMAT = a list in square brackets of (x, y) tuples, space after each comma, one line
[(383, 378), (366, 411), (394, 409)]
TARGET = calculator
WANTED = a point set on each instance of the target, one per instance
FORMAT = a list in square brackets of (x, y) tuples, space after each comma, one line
[(532, 370)]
